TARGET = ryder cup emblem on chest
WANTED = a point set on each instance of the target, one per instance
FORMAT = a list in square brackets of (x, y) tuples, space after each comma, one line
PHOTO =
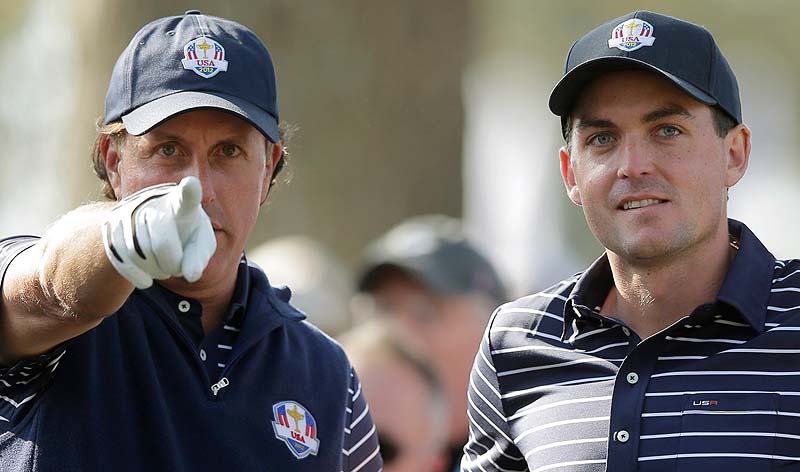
[(205, 57), (631, 35), (295, 426)]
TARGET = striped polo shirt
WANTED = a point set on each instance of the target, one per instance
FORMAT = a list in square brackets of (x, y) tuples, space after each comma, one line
[(145, 391), (557, 386)]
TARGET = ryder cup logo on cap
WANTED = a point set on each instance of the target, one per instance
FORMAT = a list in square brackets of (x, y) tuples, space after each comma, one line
[(631, 35), (151, 82), (205, 57), (295, 426)]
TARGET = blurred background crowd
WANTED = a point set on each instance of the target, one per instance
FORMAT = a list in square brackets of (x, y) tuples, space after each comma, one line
[(402, 109)]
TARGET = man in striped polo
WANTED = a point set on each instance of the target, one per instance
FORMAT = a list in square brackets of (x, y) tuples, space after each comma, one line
[(209, 368), (676, 349)]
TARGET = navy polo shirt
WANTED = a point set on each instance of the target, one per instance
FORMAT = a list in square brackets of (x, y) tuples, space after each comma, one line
[(145, 390), (558, 386)]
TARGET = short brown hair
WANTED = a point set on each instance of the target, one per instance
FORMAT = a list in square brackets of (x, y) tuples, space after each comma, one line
[(116, 132)]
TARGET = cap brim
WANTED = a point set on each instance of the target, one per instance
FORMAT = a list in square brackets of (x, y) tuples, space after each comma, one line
[(567, 90), (150, 115), (373, 275)]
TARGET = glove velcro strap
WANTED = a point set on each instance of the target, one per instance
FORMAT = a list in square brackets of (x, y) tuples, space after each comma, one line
[(120, 238)]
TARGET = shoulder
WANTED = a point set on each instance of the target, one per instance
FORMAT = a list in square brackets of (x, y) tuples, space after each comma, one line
[(541, 314), (785, 286), (787, 272), (315, 345), (315, 338), (548, 303)]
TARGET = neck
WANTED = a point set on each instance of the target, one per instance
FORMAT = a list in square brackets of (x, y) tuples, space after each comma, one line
[(649, 297), (214, 293)]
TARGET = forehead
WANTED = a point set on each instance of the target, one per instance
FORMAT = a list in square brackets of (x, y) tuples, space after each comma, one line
[(205, 122), (630, 91)]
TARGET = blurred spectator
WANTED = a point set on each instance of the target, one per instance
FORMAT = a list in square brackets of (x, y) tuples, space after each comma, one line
[(407, 402), (321, 285), (436, 287)]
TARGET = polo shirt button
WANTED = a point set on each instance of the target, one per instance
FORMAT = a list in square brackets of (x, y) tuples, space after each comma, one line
[(626, 331), (202, 354), (184, 306), (632, 378), (622, 436)]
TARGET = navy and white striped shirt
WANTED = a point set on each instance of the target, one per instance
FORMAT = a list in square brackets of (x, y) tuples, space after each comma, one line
[(265, 391), (556, 386)]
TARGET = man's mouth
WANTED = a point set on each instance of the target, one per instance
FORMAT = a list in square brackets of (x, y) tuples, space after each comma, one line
[(641, 203)]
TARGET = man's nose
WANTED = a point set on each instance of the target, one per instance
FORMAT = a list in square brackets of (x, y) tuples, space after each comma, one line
[(634, 160)]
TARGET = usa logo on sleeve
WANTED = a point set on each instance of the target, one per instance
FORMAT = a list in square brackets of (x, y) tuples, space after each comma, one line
[(295, 426)]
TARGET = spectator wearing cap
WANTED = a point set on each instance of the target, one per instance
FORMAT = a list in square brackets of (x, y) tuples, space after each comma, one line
[(439, 289), (134, 335), (676, 349), (407, 401)]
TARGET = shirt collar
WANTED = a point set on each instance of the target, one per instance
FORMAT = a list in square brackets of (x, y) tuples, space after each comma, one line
[(746, 287), (277, 297), (748, 283), (241, 293), (588, 294), (252, 286)]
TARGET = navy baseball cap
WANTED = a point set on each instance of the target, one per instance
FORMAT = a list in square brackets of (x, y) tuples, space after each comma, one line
[(433, 251), (682, 52), (182, 63)]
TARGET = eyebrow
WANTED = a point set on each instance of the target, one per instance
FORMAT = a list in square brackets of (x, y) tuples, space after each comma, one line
[(584, 123), (164, 136), (655, 115), (666, 112)]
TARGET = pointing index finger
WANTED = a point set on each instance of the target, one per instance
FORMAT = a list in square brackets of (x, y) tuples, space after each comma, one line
[(189, 197)]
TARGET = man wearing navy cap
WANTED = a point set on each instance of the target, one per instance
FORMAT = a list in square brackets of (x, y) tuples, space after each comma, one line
[(134, 335), (675, 350)]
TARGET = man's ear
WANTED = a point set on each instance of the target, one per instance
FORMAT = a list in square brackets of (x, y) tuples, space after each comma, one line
[(111, 152), (568, 175), (273, 161), (737, 151)]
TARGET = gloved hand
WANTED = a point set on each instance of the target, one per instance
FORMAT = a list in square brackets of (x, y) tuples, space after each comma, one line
[(160, 232)]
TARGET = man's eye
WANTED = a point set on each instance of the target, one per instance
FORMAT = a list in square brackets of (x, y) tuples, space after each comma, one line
[(230, 150), (669, 131), (600, 139), (169, 149)]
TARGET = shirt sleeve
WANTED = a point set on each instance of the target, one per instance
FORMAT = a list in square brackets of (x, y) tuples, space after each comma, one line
[(490, 446), (360, 451), (22, 382)]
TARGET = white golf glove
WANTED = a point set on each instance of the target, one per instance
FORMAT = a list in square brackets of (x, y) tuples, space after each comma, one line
[(160, 232)]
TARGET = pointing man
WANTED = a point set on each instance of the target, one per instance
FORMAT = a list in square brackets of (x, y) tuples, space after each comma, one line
[(134, 335)]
